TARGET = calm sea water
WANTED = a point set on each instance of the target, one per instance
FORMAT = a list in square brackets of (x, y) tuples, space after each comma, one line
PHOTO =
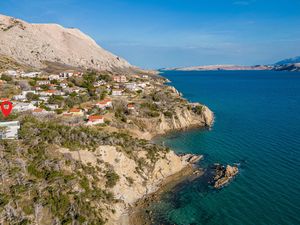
[(257, 124)]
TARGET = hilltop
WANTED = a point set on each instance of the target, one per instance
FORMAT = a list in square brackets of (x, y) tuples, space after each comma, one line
[(289, 61), (36, 44)]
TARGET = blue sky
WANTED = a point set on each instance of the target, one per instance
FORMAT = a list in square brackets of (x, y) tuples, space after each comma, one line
[(167, 33)]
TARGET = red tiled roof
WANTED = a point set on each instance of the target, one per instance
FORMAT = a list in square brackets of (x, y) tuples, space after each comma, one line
[(74, 110), (38, 110), (67, 114), (50, 91), (104, 101), (95, 118)]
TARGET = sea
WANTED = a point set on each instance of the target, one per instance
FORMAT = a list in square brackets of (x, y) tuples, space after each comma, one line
[(257, 126)]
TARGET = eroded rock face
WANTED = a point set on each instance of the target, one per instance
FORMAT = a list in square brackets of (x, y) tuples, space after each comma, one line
[(32, 44), (132, 185), (223, 175)]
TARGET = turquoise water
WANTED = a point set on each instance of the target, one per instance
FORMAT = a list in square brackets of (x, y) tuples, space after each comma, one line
[(258, 125)]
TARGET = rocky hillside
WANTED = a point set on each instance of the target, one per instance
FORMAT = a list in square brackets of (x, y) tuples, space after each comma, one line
[(294, 67), (35, 44), (288, 61)]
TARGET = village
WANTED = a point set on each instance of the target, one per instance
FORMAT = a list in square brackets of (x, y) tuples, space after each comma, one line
[(76, 98)]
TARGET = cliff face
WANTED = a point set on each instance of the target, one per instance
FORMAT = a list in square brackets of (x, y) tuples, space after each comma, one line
[(183, 119), (132, 185), (33, 44)]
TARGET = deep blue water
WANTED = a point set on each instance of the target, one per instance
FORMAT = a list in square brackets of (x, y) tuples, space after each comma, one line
[(257, 124)]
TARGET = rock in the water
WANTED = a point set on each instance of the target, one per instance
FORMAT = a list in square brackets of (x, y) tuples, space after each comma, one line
[(223, 175)]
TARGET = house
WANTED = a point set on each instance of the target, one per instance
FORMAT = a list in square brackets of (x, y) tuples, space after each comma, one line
[(116, 92), (104, 103), (50, 93), (76, 112), (64, 84), (66, 74), (94, 120), (22, 97), (23, 107), (131, 86), (9, 130), (4, 100), (120, 79), (39, 111), (53, 77), (52, 106), (44, 98), (19, 98), (142, 85), (99, 83), (73, 89), (30, 75), (42, 82), (12, 73), (130, 106)]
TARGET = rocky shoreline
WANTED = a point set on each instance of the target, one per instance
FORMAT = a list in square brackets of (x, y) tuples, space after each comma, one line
[(219, 176), (138, 213)]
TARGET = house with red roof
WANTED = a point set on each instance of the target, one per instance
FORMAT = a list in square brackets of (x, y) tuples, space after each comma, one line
[(130, 106), (106, 103), (76, 112), (95, 119)]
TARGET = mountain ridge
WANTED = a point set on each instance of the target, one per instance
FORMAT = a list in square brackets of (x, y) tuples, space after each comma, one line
[(33, 44), (293, 60)]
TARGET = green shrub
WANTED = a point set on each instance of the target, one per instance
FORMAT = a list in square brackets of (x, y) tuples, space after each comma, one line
[(111, 178)]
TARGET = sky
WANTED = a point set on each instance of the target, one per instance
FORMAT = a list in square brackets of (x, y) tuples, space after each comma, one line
[(175, 33)]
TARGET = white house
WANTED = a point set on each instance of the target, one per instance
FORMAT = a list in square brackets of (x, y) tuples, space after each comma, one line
[(23, 107), (131, 86), (22, 97), (63, 84), (116, 92), (42, 82), (10, 130), (120, 79), (44, 98), (53, 77), (66, 75), (12, 73), (52, 106), (31, 74)]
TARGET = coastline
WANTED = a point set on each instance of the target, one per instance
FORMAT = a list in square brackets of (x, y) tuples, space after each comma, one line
[(137, 214)]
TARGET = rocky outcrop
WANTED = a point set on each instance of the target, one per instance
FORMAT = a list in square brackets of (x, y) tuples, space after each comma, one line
[(33, 44), (182, 119), (132, 185), (223, 175)]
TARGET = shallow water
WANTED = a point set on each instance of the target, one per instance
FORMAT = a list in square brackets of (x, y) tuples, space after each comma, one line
[(258, 125)]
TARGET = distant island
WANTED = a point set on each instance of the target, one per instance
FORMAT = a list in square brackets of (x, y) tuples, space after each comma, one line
[(292, 64)]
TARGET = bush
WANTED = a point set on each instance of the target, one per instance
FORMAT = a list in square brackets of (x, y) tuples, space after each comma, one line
[(168, 114), (6, 78), (111, 178), (198, 109)]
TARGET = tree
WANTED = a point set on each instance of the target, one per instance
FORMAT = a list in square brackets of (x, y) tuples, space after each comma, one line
[(6, 77), (32, 97)]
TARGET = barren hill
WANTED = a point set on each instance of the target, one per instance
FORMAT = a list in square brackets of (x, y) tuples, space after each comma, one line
[(33, 44)]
